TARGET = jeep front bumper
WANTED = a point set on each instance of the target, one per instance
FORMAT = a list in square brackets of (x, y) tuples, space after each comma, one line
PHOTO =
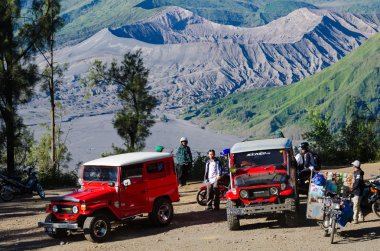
[(55, 225), (258, 209)]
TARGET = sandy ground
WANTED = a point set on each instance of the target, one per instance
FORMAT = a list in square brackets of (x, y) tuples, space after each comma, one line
[(192, 229)]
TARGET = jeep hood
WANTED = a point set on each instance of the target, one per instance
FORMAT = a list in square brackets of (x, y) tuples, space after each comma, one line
[(85, 195), (260, 176)]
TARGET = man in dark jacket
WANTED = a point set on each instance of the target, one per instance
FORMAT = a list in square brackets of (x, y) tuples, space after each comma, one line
[(184, 161), (357, 190), (213, 173)]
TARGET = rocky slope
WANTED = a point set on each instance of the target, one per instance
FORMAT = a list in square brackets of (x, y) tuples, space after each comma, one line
[(193, 60)]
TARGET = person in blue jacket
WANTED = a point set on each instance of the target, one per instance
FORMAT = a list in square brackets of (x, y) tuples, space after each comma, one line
[(213, 173)]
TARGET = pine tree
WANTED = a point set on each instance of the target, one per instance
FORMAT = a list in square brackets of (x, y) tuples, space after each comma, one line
[(17, 78), (135, 118)]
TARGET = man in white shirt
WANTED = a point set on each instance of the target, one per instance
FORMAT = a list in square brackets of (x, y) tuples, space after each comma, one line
[(213, 173)]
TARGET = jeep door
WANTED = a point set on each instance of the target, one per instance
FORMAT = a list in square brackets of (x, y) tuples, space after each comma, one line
[(133, 196)]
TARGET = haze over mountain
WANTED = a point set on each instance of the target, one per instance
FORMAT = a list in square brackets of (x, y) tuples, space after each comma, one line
[(193, 60)]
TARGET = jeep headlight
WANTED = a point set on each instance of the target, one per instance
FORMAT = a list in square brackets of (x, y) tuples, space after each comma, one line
[(283, 186), (243, 194), (75, 209), (55, 209), (273, 190)]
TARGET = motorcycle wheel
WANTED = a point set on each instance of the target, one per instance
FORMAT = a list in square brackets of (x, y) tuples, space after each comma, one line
[(376, 208), (6, 195), (202, 197), (40, 191), (333, 230)]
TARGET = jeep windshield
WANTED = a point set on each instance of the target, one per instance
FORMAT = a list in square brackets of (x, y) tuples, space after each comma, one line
[(100, 173), (260, 158)]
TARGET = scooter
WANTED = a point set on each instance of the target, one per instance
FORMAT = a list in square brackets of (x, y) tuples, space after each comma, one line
[(223, 188), (374, 195), (12, 186)]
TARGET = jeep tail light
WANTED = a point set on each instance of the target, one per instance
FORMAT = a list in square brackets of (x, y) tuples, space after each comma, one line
[(232, 162), (83, 207)]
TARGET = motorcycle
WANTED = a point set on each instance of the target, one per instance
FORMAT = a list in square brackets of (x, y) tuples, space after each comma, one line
[(374, 195), (12, 186), (223, 188), (336, 211)]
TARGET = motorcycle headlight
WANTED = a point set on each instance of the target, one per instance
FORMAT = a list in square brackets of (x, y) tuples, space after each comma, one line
[(273, 190), (75, 209), (336, 206), (283, 186), (55, 209), (244, 194)]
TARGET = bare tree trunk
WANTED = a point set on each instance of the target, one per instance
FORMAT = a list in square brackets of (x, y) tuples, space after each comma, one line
[(10, 135), (52, 106)]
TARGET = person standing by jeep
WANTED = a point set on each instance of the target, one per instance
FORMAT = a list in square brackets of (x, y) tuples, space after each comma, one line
[(184, 161), (308, 160), (357, 191), (213, 173)]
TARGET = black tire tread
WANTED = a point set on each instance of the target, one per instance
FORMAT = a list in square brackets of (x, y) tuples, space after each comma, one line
[(153, 217), (87, 225), (233, 221)]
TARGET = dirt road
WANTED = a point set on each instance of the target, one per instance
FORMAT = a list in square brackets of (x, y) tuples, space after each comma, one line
[(192, 229)]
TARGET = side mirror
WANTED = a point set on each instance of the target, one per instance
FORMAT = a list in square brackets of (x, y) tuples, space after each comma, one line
[(127, 182)]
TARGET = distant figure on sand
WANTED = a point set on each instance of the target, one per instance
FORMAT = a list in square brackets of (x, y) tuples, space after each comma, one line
[(184, 161)]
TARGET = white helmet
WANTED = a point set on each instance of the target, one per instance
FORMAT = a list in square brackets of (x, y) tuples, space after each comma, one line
[(356, 163), (183, 139)]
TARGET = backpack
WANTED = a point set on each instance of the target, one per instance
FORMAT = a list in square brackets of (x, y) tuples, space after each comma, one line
[(317, 161)]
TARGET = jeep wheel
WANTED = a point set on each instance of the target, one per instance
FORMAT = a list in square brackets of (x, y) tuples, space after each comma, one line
[(97, 228), (59, 232), (202, 197), (232, 220), (290, 217), (162, 213)]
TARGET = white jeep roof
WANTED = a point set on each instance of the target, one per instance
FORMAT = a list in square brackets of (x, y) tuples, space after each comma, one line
[(127, 159), (264, 144)]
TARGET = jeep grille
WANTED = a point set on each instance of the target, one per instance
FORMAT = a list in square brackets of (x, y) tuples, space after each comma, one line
[(65, 209), (258, 193)]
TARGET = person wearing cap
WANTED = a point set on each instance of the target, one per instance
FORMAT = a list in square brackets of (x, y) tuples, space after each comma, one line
[(159, 148), (184, 161), (357, 190)]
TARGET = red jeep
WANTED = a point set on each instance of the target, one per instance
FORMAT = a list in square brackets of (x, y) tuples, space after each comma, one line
[(262, 181), (115, 189)]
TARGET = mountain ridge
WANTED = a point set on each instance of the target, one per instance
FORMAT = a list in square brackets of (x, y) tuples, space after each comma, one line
[(189, 73), (352, 84)]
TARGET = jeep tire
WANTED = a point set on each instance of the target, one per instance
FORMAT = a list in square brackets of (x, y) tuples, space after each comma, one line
[(162, 213), (290, 217), (59, 232), (233, 221), (97, 228)]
